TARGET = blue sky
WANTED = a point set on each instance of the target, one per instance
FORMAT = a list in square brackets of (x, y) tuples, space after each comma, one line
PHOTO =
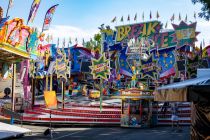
[(81, 18)]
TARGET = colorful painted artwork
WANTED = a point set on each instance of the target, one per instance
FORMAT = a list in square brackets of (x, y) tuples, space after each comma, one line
[(185, 34), (100, 67), (164, 40), (61, 66), (108, 35), (124, 66), (166, 63), (148, 68), (15, 33), (146, 29)]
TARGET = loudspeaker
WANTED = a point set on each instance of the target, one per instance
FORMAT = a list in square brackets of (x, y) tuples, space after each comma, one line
[(47, 131)]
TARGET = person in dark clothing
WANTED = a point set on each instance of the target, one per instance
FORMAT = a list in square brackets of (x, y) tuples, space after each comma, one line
[(164, 107), (55, 84)]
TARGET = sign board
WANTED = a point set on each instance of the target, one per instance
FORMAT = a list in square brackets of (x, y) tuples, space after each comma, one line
[(50, 99), (100, 68)]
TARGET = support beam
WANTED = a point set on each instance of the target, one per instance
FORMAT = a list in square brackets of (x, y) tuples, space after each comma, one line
[(13, 86)]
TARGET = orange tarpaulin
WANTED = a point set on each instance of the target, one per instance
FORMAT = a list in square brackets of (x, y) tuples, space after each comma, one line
[(50, 99)]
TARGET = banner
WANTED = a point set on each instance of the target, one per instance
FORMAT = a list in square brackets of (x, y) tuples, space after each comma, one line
[(185, 34), (148, 68), (146, 29), (124, 66), (166, 63), (100, 67), (33, 10), (61, 67), (48, 17)]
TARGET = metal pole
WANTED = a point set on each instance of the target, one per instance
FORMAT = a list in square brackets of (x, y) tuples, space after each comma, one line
[(62, 94), (185, 67), (101, 95), (33, 91), (13, 90)]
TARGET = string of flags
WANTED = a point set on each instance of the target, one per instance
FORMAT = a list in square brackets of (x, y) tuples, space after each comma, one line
[(135, 18)]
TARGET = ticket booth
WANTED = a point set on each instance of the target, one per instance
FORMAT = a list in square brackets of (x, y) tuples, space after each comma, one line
[(137, 108)]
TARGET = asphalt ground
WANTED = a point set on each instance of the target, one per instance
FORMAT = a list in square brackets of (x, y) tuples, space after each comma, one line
[(107, 133)]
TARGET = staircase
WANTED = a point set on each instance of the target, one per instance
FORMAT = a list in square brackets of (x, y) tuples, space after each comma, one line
[(76, 114), (90, 114)]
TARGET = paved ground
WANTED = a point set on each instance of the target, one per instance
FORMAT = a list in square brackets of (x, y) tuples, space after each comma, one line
[(107, 133)]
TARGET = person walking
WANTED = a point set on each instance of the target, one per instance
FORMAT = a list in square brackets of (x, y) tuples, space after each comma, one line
[(174, 117)]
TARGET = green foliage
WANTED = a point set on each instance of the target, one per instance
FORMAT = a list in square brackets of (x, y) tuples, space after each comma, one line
[(94, 43), (205, 10)]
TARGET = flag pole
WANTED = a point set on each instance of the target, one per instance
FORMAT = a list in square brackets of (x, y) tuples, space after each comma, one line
[(8, 8)]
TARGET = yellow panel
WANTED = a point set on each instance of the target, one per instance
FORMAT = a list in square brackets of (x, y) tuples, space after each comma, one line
[(13, 50)]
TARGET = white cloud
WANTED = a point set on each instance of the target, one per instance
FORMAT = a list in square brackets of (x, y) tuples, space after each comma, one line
[(204, 28), (64, 31)]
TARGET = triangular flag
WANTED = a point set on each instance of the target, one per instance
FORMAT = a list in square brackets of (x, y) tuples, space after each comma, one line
[(83, 42), (185, 18), (121, 19), (64, 42), (166, 25), (76, 41), (157, 15), (135, 18), (51, 38), (195, 15), (172, 18), (203, 43), (143, 16), (11, 3), (180, 18), (114, 19), (128, 18), (70, 40), (150, 15), (58, 43), (48, 38)]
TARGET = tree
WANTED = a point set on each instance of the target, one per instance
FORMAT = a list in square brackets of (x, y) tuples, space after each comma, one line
[(94, 43), (205, 10)]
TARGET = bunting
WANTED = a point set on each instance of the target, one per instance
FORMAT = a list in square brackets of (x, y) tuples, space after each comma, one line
[(70, 41), (48, 38), (157, 16), (33, 10), (185, 18), (76, 41), (48, 17), (166, 25), (180, 18), (195, 15), (135, 18), (121, 19), (172, 18), (114, 19), (128, 18), (51, 38), (150, 15)]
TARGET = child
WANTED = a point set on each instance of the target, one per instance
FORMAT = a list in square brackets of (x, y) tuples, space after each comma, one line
[(174, 116)]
